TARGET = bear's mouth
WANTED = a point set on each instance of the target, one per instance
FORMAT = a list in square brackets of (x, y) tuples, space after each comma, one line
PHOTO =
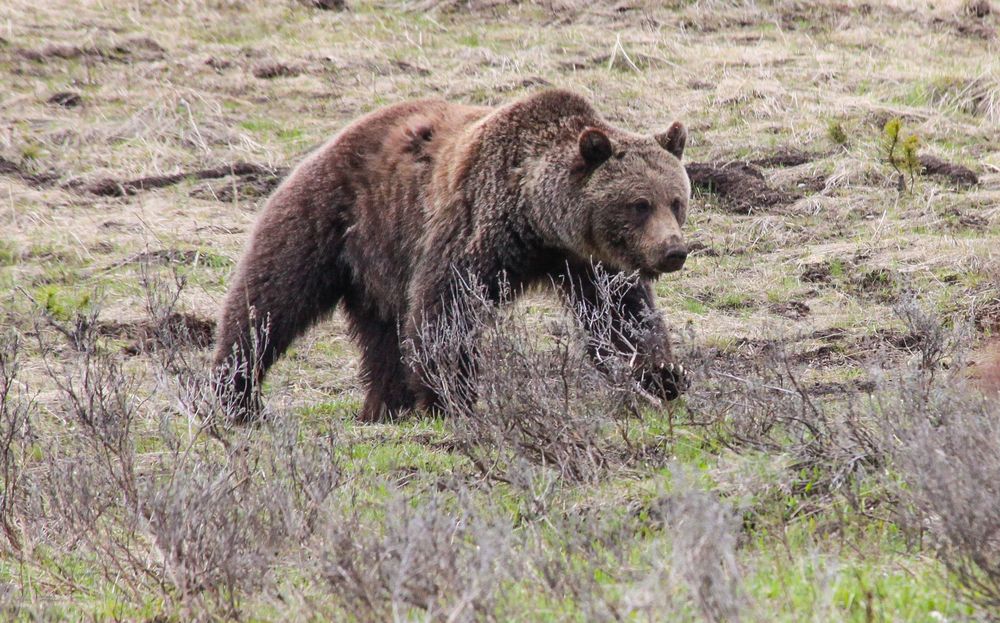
[(652, 275)]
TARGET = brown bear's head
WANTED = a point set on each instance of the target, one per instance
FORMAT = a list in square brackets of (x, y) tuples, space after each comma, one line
[(633, 193)]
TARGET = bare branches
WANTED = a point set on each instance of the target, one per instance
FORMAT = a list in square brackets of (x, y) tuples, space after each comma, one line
[(515, 393), (16, 437)]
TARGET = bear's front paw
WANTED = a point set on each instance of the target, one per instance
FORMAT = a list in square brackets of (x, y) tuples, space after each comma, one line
[(666, 381)]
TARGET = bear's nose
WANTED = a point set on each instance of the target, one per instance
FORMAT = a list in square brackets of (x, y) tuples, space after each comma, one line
[(672, 260)]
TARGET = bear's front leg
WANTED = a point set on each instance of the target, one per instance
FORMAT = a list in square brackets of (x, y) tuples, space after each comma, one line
[(622, 321), (439, 336)]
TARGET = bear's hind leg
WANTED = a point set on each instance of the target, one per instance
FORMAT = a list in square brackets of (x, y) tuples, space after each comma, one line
[(383, 371)]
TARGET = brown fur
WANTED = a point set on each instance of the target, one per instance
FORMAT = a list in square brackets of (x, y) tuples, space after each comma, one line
[(387, 213)]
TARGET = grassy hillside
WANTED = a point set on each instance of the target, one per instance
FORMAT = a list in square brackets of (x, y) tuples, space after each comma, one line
[(837, 457)]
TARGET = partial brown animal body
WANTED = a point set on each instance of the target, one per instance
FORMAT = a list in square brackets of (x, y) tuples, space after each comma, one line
[(384, 217), (985, 370)]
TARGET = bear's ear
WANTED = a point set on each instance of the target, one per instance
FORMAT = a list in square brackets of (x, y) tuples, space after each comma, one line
[(674, 139), (595, 146)]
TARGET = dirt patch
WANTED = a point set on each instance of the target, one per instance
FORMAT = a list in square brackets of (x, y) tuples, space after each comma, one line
[(955, 173), (12, 169), (882, 338), (822, 357), (66, 99), (957, 220), (740, 187), (974, 29), (699, 248), (987, 316), (978, 8), (236, 188), (272, 69), (218, 64), (137, 49), (816, 273), (187, 257), (810, 184), (787, 157), (109, 187), (145, 336), (794, 310), (840, 389), (417, 70), (325, 5), (526, 83), (878, 283)]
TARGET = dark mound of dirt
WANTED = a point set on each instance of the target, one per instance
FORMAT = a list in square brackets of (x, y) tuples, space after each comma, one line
[(740, 186), (844, 389), (822, 357), (795, 310), (417, 70), (787, 157), (880, 284), (66, 99), (325, 5), (975, 30), (252, 186), (217, 63), (12, 169), (987, 316), (137, 49), (810, 184), (524, 83), (188, 257), (955, 173), (109, 187), (465, 6), (696, 247), (978, 8), (957, 219), (816, 273), (272, 69), (149, 335)]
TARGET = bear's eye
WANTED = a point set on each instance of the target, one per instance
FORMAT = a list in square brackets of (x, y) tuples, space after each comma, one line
[(675, 205), (641, 207)]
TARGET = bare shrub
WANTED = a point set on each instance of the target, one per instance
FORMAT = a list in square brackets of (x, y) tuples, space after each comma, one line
[(220, 523), (202, 397), (704, 550), (944, 440), (586, 560), (832, 445), (435, 558), (205, 518), (947, 452), (91, 472), (767, 408), (16, 437), (938, 346), (515, 392), (591, 560)]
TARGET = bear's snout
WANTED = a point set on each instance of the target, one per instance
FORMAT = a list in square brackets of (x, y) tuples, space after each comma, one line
[(672, 259)]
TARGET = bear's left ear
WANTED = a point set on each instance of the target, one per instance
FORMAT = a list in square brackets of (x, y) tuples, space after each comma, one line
[(595, 146), (674, 139)]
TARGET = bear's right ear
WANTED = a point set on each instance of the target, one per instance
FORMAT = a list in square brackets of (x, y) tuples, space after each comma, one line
[(595, 146), (674, 139)]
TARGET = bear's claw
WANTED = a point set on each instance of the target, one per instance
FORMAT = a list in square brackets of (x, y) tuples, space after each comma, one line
[(667, 382)]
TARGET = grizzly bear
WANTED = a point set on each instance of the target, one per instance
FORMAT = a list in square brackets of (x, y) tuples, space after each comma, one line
[(385, 216)]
